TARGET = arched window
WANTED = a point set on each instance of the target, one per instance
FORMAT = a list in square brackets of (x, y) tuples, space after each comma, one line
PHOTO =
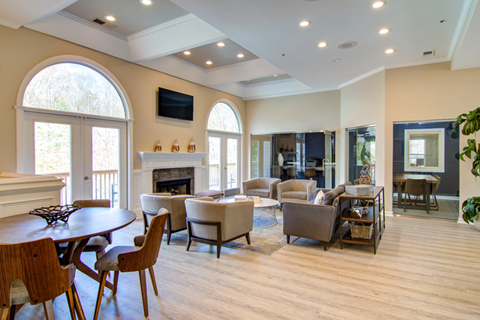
[(73, 87), (224, 128)]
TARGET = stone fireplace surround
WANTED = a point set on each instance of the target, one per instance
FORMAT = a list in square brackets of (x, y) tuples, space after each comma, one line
[(182, 162)]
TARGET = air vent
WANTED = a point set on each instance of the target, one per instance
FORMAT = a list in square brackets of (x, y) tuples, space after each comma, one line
[(103, 23), (427, 54), (347, 45)]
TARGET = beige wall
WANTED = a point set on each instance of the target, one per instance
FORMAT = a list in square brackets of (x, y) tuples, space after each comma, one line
[(363, 103), (430, 92), (22, 49)]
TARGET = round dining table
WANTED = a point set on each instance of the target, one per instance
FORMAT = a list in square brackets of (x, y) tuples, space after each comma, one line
[(81, 226)]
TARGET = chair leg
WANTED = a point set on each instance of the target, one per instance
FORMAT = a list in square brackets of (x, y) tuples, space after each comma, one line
[(189, 235), (78, 305), (99, 254), (248, 237), (143, 287), (71, 303), (115, 281), (154, 282), (219, 247), (288, 239), (48, 307), (325, 243), (169, 228), (5, 314), (103, 280)]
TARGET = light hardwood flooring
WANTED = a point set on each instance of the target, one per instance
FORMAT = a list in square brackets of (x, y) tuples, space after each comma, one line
[(447, 209), (424, 269)]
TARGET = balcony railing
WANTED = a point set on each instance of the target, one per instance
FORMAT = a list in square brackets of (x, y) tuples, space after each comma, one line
[(214, 176), (105, 186)]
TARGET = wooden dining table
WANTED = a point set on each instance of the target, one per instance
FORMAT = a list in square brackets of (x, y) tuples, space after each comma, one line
[(401, 178), (81, 226)]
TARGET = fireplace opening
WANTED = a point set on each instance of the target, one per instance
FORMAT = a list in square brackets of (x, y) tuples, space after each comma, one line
[(175, 187)]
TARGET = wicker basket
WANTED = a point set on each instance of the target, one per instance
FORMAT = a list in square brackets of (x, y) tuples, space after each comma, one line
[(361, 230)]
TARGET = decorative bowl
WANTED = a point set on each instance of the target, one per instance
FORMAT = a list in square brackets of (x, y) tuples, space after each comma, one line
[(54, 213)]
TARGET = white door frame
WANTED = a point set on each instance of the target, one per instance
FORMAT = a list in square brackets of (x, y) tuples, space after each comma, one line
[(223, 156)]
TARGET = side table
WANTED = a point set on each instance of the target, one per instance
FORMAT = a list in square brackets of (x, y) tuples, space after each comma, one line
[(374, 216)]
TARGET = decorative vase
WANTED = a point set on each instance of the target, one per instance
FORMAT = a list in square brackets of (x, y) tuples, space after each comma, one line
[(280, 160), (158, 146), (175, 147), (191, 146)]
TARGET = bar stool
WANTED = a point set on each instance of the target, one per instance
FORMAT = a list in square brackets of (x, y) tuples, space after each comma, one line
[(310, 173), (292, 172)]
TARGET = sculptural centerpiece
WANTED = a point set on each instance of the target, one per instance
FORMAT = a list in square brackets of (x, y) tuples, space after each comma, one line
[(54, 213)]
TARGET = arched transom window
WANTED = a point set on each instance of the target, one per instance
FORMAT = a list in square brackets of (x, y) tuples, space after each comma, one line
[(74, 87), (223, 118)]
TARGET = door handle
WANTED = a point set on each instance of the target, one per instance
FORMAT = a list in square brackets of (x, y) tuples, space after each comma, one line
[(86, 178)]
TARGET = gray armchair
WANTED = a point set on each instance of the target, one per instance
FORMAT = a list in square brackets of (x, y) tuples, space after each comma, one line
[(315, 221), (296, 190), (217, 223), (262, 187)]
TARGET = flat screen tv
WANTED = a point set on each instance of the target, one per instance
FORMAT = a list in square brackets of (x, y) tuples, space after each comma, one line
[(176, 105)]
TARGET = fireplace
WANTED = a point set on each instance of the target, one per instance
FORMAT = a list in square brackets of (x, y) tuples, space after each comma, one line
[(174, 180)]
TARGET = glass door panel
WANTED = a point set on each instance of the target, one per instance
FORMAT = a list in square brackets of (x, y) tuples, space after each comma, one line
[(214, 152), (232, 162), (361, 152), (53, 154)]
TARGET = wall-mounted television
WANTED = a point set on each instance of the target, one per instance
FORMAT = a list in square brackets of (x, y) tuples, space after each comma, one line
[(174, 104)]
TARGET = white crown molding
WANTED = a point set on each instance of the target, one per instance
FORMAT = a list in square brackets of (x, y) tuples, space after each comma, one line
[(462, 26), (361, 77), (188, 63), (266, 82), (235, 65), (162, 26), (92, 24), (286, 94), (417, 63)]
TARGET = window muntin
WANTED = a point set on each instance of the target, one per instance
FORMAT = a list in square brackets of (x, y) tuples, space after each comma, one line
[(223, 118), (73, 87)]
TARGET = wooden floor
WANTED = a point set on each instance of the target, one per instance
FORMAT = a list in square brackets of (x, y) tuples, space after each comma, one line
[(424, 269), (447, 209)]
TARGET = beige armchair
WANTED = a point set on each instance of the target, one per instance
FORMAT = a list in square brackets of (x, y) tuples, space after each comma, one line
[(296, 190), (217, 223), (262, 187), (153, 202)]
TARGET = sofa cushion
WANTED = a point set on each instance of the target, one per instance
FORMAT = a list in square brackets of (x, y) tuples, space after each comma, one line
[(319, 197), (332, 194), (258, 192), (300, 195)]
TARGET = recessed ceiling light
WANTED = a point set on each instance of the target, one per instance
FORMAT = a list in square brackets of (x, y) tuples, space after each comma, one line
[(187, 53), (304, 23), (390, 51), (208, 62), (336, 60), (379, 4), (110, 18), (385, 30), (221, 44), (275, 75), (240, 55), (322, 44), (146, 2)]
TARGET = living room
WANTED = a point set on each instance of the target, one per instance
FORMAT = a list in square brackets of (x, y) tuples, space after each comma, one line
[(409, 93)]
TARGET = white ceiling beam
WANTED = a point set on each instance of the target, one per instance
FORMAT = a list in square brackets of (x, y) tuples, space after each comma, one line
[(277, 89), (254, 69), (15, 14), (467, 49), (177, 35)]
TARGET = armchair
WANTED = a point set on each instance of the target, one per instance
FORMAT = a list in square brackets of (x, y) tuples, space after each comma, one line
[(263, 187), (296, 190), (217, 223)]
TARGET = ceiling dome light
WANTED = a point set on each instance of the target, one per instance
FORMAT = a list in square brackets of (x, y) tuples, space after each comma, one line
[(221, 44), (385, 30), (322, 44), (146, 2), (240, 55), (305, 23), (379, 4), (388, 51), (208, 62), (187, 53), (110, 18), (336, 60)]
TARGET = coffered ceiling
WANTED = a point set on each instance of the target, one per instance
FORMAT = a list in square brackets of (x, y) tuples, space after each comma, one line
[(279, 56)]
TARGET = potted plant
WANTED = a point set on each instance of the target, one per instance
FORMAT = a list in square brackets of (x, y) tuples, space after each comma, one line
[(471, 125)]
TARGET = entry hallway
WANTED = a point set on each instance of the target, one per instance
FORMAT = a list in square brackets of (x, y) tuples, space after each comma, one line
[(424, 269)]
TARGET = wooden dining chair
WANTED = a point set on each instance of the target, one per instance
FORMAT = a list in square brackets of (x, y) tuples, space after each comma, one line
[(130, 259), (30, 272), (434, 204), (417, 188)]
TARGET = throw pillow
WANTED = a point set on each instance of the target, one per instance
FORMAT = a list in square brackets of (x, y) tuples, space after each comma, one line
[(319, 197)]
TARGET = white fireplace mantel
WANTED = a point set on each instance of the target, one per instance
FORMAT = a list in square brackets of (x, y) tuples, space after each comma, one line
[(166, 160)]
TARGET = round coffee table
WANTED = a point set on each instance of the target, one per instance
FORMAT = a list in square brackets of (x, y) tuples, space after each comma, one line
[(264, 214)]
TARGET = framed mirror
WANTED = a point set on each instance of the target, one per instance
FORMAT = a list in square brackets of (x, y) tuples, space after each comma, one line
[(424, 150)]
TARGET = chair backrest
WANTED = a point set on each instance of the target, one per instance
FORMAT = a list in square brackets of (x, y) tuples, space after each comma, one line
[(102, 203), (292, 171), (36, 264), (416, 186), (147, 255), (310, 172)]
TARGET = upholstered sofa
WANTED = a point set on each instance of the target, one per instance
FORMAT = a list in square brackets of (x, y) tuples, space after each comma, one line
[(315, 221), (262, 187), (296, 190)]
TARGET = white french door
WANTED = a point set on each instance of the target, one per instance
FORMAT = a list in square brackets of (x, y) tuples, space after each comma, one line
[(89, 154), (224, 160)]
